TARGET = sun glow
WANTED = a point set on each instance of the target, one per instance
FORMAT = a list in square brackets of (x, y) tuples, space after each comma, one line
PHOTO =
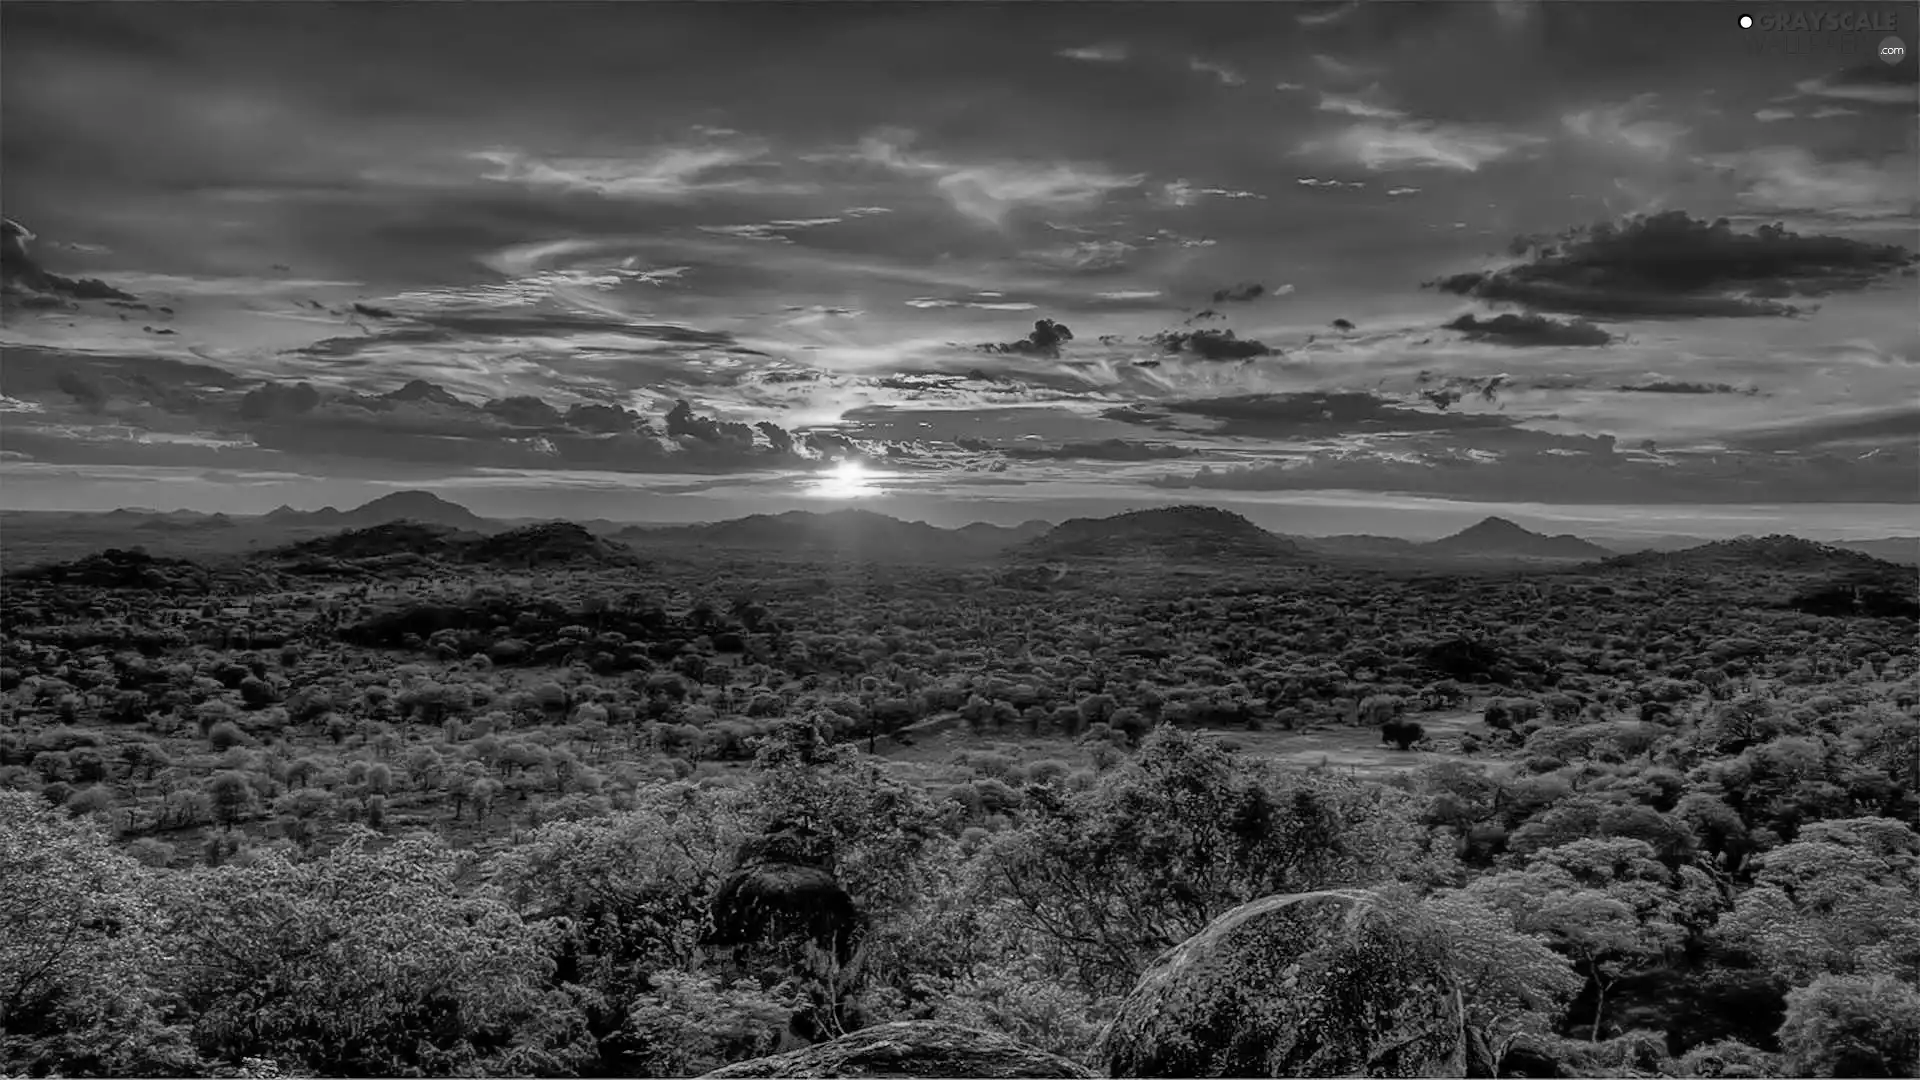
[(845, 480)]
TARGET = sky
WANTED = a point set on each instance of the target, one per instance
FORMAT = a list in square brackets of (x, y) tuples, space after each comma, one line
[(1389, 267)]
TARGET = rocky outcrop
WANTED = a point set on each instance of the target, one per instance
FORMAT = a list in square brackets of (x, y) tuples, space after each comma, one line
[(909, 1049), (782, 889), (1311, 984)]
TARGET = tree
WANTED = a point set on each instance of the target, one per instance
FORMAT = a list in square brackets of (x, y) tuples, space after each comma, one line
[(77, 946), (1852, 1025), (1605, 903), (1837, 901), (364, 962), (1511, 982), (1100, 881)]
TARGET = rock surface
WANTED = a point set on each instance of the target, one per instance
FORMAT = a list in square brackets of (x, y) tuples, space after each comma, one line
[(911, 1049), (1310, 984)]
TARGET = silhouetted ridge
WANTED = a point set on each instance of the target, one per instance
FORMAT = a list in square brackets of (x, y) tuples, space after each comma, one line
[(1776, 551), (546, 544), (418, 506), (851, 532), (116, 568), (1175, 531), (1498, 536)]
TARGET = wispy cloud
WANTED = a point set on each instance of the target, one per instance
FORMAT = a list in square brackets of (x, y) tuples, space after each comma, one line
[(988, 192), (1226, 75), (774, 231), (1369, 105), (1096, 54), (1327, 16), (1774, 116), (1343, 70), (667, 173), (1790, 179), (1181, 193), (1627, 127), (1418, 144)]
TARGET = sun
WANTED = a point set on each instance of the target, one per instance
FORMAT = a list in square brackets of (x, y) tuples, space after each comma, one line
[(845, 480)]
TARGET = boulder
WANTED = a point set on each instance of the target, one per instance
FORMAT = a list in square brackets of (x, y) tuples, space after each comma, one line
[(776, 901), (909, 1049), (1339, 983)]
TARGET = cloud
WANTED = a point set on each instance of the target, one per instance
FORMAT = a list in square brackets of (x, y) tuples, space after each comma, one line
[(1123, 295), (1529, 329), (1668, 386), (1327, 15), (1245, 291), (1369, 105), (1045, 340), (1179, 193), (989, 192), (1210, 344), (1096, 54), (1626, 128), (1102, 450), (1342, 70), (1871, 83), (1087, 255), (1673, 265), (1774, 116), (1226, 75), (1432, 468), (25, 281), (1791, 180), (775, 231), (668, 173), (1418, 144)]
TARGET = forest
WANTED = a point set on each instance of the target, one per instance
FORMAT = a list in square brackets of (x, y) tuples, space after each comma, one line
[(373, 804)]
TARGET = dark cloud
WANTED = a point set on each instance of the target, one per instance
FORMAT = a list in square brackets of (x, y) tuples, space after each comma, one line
[(23, 279), (1302, 415), (1667, 386), (1674, 265), (1561, 477), (1045, 340), (1240, 293), (453, 328), (1529, 329), (1899, 427), (171, 385), (1870, 83), (1210, 344), (1103, 450)]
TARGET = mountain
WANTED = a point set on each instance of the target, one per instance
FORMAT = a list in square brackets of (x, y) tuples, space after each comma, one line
[(1500, 537), (421, 506), (1904, 550), (548, 544), (1778, 552), (1358, 544), (852, 533), (1175, 532), (1627, 545)]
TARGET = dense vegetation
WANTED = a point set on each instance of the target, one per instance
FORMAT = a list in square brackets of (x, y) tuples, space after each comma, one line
[(413, 805)]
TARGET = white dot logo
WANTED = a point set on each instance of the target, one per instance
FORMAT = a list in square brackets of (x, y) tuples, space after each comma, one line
[(1746, 22)]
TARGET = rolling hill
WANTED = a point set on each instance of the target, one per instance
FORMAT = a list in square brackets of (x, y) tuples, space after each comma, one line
[(1497, 537), (1172, 532)]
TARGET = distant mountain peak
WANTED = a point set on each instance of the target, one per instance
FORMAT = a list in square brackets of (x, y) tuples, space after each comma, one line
[(1179, 531), (1499, 536)]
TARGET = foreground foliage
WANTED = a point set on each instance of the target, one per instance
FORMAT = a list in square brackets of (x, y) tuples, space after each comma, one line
[(389, 822)]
